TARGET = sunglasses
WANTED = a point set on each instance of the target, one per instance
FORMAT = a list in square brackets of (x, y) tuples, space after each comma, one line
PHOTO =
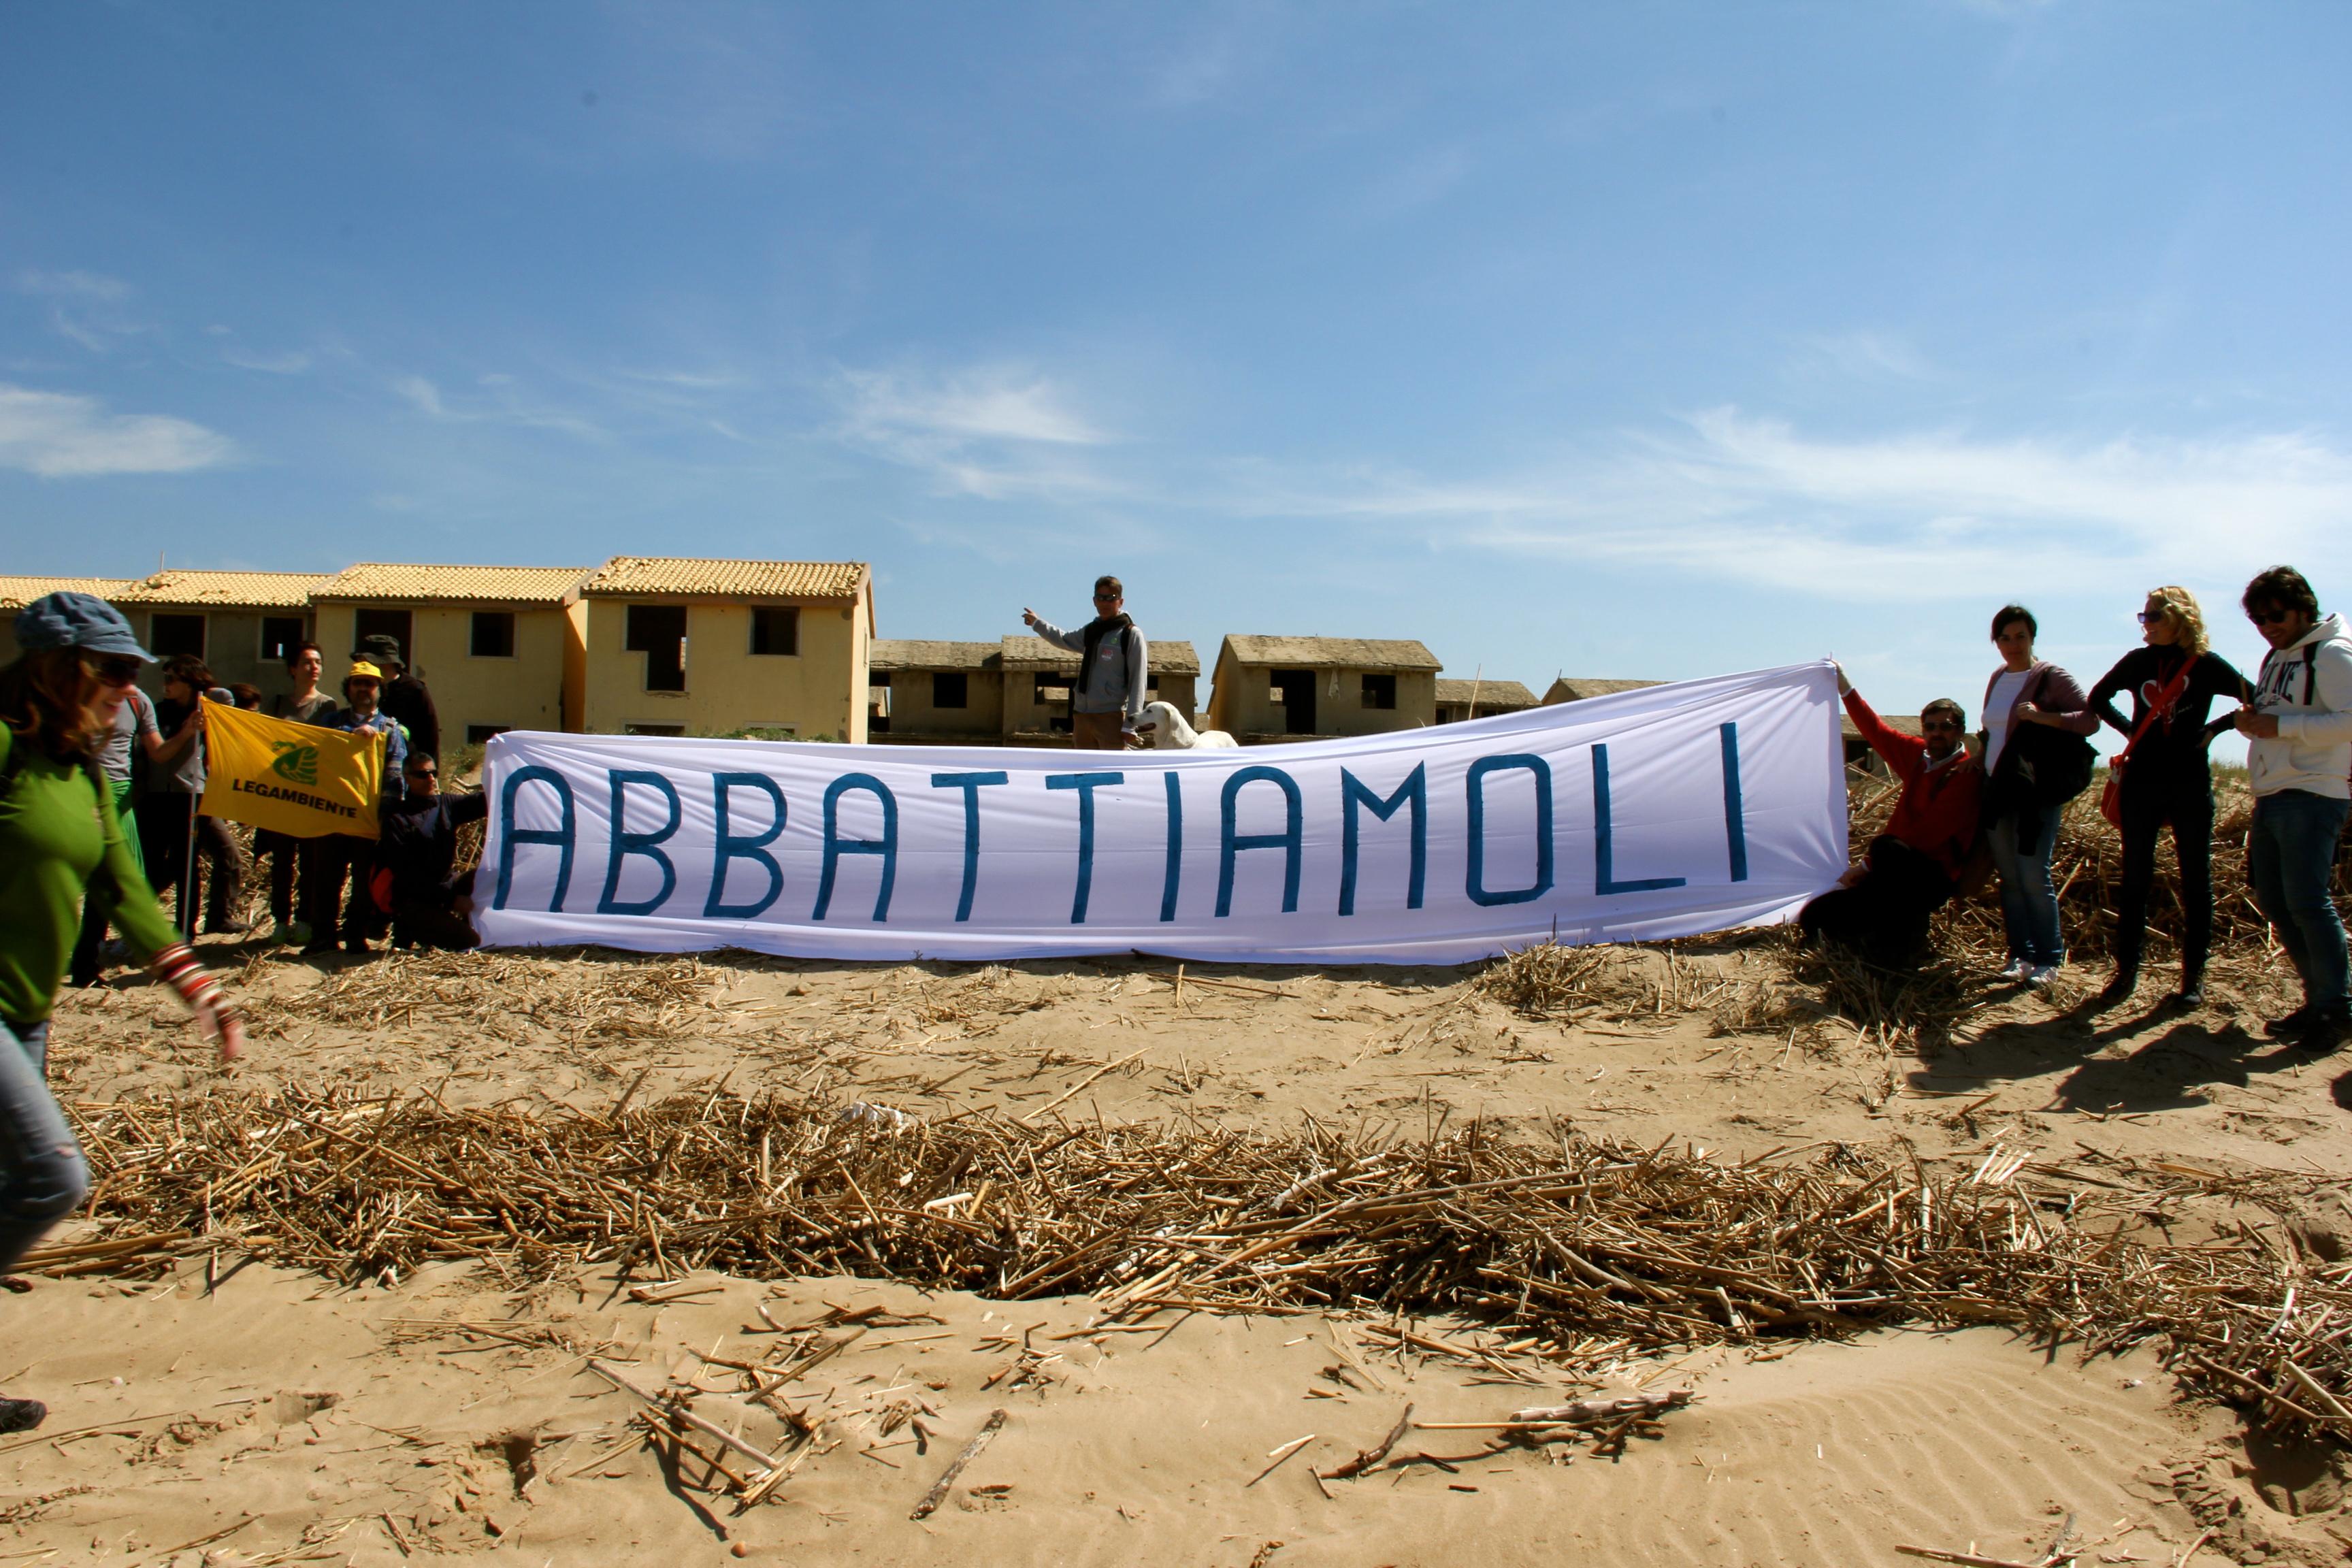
[(2150, 617), (114, 668), (1105, 598), (1938, 727), (2275, 615)]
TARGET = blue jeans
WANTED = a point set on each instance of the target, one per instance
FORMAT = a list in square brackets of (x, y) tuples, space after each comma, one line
[(2290, 857), (2021, 842), (42, 1176)]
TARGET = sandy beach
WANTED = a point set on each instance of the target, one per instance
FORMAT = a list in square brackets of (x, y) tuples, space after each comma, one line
[(208, 1405)]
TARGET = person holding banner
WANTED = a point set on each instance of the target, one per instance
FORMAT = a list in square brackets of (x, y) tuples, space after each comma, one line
[(183, 845), (418, 857), (288, 856), (1880, 909), (2163, 778), (61, 841), (2035, 760), (345, 857), (1106, 700)]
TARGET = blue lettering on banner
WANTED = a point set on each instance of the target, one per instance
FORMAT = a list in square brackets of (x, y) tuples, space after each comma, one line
[(1354, 793), (1604, 855), (1735, 814), (736, 847), (836, 847), (971, 784), (1288, 840), (1085, 784), (625, 844), (1175, 846), (1475, 882), (511, 838)]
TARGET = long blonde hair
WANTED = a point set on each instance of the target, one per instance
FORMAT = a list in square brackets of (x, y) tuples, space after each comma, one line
[(2181, 605)]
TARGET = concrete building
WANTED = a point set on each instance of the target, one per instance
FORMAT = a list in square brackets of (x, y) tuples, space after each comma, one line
[(488, 641), (1272, 688), (241, 624), (15, 593), (1577, 687), (936, 694), (1037, 679), (771, 648), (1457, 698)]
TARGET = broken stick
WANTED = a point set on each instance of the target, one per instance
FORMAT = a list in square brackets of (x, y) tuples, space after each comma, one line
[(1367, 1458), (679, 1413), (979, 1440)]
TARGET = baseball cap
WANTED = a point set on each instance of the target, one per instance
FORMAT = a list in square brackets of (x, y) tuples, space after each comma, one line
[(68, 619)]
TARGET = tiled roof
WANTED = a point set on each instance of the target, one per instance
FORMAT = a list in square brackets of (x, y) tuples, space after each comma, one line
[(1575, 689), (378, 580), (910, 653), (1333, 653), (654, 576), (1907, 723), (1495, 694), (229, 589), (1173, 656), (15, 593)]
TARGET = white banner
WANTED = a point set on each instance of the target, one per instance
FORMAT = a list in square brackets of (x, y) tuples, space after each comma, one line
[(1658, 813)]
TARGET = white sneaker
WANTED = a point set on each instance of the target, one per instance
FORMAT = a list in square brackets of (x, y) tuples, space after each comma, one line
[(2017, 970), (2041, 974)]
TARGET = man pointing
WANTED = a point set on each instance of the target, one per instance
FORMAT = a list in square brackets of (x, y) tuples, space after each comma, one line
[(1107, 700)]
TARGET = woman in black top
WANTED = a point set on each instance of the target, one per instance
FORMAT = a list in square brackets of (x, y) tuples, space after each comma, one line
[(2167, 780)]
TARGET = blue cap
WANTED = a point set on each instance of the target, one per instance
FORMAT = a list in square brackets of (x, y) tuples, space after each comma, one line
[(75, 620)]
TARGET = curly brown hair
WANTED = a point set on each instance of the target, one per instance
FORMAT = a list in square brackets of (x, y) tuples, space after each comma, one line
[(45, 699)]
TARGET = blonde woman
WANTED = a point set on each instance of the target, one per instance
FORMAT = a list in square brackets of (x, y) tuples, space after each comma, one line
[(2167, 780)]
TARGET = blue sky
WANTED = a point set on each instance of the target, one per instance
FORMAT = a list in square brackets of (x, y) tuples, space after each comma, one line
[(1627, 341)]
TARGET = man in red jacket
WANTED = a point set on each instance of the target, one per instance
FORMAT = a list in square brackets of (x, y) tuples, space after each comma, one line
[(1880, 908)]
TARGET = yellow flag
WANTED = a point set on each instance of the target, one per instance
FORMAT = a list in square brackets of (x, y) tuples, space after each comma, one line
[(296, 779)]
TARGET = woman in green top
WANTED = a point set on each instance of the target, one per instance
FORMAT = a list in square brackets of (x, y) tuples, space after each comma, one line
[(60, 841)]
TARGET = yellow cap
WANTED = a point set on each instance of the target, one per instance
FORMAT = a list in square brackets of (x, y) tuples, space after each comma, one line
[(363, 671)]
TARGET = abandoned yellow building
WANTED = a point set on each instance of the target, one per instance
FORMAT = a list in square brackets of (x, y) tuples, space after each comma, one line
[(1460, 700), (770, 648), (936, 694), (1038, 676), (241, 624), (15, 593), (1575, 689), (486, 641), (1270, 688)]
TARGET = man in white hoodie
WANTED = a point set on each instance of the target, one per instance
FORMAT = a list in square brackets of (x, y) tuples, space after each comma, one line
[(2299, 764)]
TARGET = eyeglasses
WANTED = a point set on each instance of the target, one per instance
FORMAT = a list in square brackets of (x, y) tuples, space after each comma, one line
[(2275, 616), (1938, 727), (2150, 617), (423, 773), (1105, 598), (114, 668)]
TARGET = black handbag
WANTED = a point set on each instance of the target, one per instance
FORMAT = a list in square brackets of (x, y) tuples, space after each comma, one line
[(2048, 766)]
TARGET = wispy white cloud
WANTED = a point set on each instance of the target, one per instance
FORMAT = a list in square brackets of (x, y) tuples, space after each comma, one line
[(1865, 356), (987, 405), (88, 308), (1917, 516), (501, 403), (293, 361), (58, 435)]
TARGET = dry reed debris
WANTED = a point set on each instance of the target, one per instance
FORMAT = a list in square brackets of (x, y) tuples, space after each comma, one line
[(1595, 1249)]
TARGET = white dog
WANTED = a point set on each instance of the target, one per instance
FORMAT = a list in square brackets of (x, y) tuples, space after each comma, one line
[(1169, 732)]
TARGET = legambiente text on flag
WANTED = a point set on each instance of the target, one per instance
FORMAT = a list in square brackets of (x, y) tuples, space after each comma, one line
[(1657, 813), (296, 779)]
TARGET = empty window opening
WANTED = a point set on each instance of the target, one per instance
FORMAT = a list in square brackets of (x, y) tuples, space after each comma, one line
[(1293, 690), (170, 636), (653, 729), (280, 635), (950, 689), (479, 734), (493, 634), (775, 629), (1380, 691), (659, 631), (392, 624)]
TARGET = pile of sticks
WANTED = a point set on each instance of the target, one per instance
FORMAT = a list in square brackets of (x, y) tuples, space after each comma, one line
[(1587, 1250)]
